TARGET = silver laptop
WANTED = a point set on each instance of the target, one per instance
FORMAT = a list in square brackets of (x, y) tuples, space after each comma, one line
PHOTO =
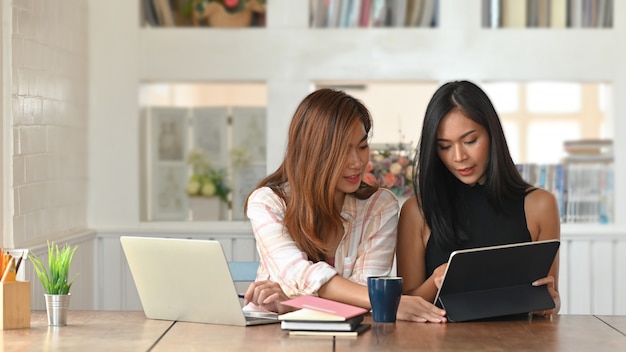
[(186, 280)]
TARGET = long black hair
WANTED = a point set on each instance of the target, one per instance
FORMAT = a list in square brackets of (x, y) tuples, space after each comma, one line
[(435, 184)]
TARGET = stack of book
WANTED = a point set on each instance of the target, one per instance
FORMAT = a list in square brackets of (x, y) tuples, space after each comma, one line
[(322, 317), (373, 13), (588, 184)]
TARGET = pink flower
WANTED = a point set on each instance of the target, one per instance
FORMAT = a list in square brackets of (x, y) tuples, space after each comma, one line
[(389, 179), (370, 179), (369, 167)]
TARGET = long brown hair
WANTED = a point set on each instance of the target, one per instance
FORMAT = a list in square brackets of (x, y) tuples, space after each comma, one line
[(314, 159)]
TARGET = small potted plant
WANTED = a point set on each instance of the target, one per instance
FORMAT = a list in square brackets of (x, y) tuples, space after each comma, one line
[(55, 281), (207, 187)]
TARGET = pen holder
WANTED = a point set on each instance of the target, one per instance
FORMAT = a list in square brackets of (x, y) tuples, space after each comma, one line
[(15, 308)]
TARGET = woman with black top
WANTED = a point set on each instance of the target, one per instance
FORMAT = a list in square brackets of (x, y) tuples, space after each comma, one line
[(470, 194)]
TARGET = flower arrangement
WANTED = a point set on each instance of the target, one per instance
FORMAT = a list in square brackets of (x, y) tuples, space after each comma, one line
[(225, 13), (206, 181), (392, 169)]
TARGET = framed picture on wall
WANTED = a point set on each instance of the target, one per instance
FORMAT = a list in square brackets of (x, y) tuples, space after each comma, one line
[(169, 131), (169, 200), (167, 176), (249, 132), (245, 178), (210, 133)]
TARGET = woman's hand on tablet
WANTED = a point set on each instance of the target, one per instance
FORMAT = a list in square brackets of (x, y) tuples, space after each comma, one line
[(549, 281), (416, 308)]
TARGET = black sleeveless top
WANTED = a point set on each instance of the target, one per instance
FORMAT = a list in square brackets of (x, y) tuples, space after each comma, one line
[(486, 225)]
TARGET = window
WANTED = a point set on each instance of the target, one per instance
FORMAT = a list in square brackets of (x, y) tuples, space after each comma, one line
[(221, 127)]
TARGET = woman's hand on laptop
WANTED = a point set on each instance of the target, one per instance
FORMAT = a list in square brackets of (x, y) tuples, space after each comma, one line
[(550, 282), (268, 295)]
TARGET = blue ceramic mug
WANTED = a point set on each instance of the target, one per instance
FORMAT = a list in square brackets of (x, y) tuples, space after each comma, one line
[(384, 293)]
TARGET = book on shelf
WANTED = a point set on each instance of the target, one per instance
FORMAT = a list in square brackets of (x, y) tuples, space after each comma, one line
[(150, 15), (590, 13), (333, 18), (379, 13), (396, 12), (538, 13), (575, 13), (558, 13), (338, 334), (588, 147), (365, 15), (492, 14), (164, 12), (514, 13), (413, 13), (318, 10), (429, 13), (372, 13), (350, 12)]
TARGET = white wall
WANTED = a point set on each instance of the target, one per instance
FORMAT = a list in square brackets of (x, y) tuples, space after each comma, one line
[(44, 125), (48, 120), (114, 115)]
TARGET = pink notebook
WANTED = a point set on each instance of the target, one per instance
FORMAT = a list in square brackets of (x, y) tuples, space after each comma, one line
[(316, 308)]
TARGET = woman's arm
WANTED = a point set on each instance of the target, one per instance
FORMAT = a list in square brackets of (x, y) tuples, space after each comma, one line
[(281, 259), (411, 308), (544, 223), (419, 291), (411, 254)]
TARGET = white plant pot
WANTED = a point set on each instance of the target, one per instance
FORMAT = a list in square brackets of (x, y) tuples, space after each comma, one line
[(206, 209)]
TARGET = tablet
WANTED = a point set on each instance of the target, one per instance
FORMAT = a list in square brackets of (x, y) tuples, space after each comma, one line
[(496, 281)]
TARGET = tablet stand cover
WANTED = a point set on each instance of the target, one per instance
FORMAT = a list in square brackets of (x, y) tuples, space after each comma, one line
[(496, 281)]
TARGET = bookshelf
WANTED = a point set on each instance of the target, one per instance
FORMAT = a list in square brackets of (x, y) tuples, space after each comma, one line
[(288, 56), (548, 13)]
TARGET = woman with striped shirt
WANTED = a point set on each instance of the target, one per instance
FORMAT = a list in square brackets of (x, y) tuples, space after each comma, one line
[(320, 230)]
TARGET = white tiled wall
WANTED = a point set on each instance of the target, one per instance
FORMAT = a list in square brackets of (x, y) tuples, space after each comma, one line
[(49, 118)]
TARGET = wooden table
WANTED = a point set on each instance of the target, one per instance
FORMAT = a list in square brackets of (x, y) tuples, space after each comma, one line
[(90, 331), (130, 331), (616, 321), (559, 333)]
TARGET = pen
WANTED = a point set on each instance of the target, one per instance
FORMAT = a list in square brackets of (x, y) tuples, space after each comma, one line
[(19, 261), (8, 269)]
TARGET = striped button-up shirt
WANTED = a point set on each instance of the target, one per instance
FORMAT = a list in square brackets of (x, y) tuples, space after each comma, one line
[(367, 248)]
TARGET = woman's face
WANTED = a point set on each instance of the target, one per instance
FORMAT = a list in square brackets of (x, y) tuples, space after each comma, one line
[(356, 160), (463, 147)]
